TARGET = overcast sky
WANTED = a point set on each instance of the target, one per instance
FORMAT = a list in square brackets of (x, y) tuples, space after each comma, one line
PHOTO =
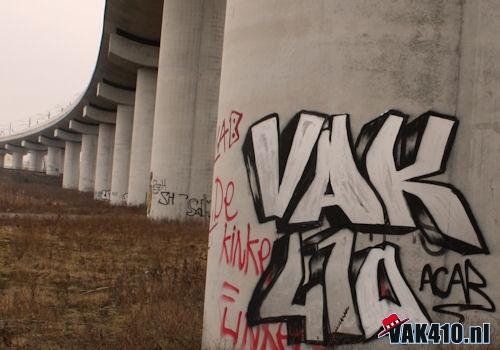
[(48, 53)]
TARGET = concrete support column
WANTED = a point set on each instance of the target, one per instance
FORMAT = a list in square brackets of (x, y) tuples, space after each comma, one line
[(2, 158), (88, 155), (121, 154), (70, 165), (286, 155), (104, 161), (87, 163), (36, 154), (61, 160), (53, 164), (186, 108), (35, 160), (71, 171), (17, 160), (142, 134)]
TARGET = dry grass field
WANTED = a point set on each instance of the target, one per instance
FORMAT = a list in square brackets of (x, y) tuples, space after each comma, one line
[(108, 279)]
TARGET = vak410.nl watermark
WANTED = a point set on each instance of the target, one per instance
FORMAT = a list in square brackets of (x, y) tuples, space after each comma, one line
[(402, 331)]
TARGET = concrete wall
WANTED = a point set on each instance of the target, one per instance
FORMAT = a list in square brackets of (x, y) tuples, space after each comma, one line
[(316, 231), (186, 109)]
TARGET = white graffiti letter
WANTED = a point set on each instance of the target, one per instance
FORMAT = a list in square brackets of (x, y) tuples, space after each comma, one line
[(381, 291), (335, 165), (438, 208), (265, 180)]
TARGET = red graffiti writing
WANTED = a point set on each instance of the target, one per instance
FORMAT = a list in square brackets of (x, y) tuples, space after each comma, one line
[(228, 133), (234, 326), (240, 252), (221, 203)]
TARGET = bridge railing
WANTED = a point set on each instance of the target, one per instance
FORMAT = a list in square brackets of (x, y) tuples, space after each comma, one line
[(39, 119)]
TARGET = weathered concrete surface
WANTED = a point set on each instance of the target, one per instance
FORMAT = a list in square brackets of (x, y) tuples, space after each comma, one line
[(142, 134), (121, 154), (121, 48), (71, 171), (83, 128), (99, 115), (186, 108), (17, 155), (17, 160), (53, 165), (115, 94), (86, 179), (104, 161), (55, 155), (35, 160), (67, 136), (361, 58), (473, 166), (61, 161)]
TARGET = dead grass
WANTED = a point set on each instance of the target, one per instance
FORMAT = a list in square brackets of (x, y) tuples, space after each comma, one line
[(113, 280)]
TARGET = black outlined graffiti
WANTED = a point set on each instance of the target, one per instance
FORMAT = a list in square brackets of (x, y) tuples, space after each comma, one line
[(103, 195), (296, 181), (338, 295), (321, 189), (194, 206), (470, 280)]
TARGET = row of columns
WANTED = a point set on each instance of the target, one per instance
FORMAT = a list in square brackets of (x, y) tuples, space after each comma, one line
[(157, 148), (51, 149)]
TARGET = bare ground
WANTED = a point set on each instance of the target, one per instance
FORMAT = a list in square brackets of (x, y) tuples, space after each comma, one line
[(108, 279)]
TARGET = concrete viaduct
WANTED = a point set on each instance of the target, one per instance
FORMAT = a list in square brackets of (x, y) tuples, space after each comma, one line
[(345, 155), (148, 115)]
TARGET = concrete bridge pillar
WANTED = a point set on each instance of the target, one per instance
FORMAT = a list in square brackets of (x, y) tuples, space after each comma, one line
[(86, 180), (186, 108), (61, 160), (53, 160), (71, 171), (104, 161), (87, 163), (140, 152), (17, 159), (71, 162), (2, 158), (36, 152), (294, 176), (121, 155), (55, 149), (35, 160)]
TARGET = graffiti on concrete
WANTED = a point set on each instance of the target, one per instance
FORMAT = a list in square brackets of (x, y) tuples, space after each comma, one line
[(227, 133), (322, 190), (120, 196), (221, 203), (468, 279), (195, 207), (103, 195), (263, 336)]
